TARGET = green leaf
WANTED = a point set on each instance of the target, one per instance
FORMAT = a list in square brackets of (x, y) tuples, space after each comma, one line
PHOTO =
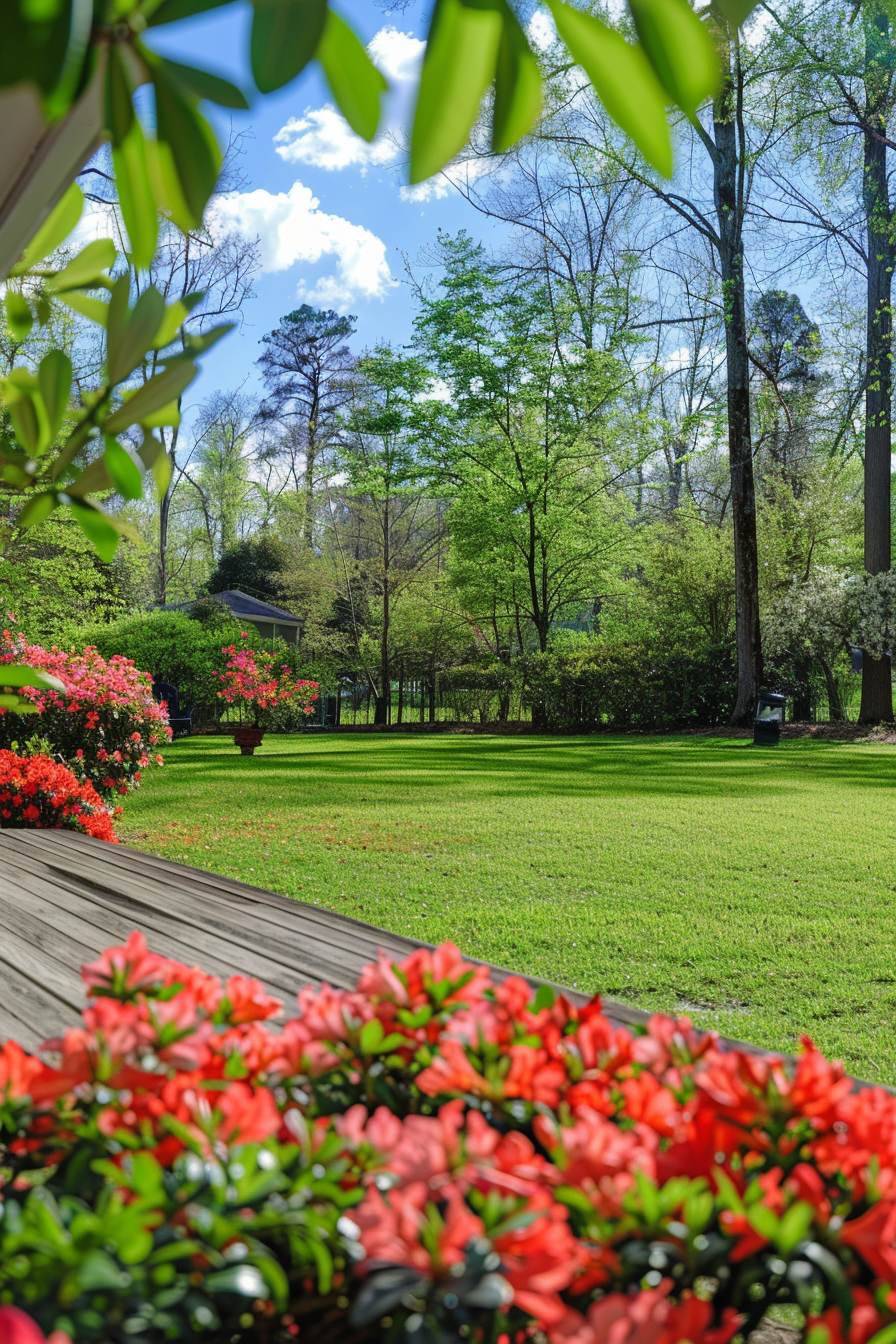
[(544, 998), (372, 1034), (26, 410), (793, 1227), (93, 309), (166, 185), (285, 36), (89, 266), (243, 1280), (204, 84), (736, 11), (135, 196), (131, 333), (158, 392), (680, 49), (17, 704), (119, 98), (154, 456), (19, 318), (518, 99), (176, 315), (97, 528), (171, 11), (354, 80), (54, 230), (194, 149), (459, 65), (54, 379), (199, 344), (38, 509), (623, 79), (124, 472), (19, 674)]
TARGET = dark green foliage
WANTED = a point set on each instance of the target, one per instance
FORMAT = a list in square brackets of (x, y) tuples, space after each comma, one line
[(629, 685), (253, 566)]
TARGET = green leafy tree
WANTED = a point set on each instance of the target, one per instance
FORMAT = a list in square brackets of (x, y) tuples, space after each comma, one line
[(522, 441)]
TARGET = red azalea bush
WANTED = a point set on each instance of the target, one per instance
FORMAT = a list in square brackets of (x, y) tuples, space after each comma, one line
[(36, 791), (105, 723), (257, 684), (431, 1156)]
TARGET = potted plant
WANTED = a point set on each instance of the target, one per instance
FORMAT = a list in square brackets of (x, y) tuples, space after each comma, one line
[(260, 687)]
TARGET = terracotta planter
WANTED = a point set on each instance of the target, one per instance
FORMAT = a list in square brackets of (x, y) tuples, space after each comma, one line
[(247, 739)]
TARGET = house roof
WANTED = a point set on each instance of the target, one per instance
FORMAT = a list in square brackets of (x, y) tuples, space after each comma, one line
[(241, 604)]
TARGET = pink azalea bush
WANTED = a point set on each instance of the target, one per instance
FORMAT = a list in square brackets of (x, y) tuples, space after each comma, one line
[(105, 723), (37, 792), (258, 685), (432, 1157)]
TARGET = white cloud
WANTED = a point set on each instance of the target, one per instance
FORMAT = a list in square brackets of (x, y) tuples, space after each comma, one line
[(324, 139), (462, 174), (541, 30), (398, 55), (292, 230)]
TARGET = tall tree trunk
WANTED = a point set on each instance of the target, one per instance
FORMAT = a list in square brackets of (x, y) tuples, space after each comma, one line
[(729, 172), (310, 466), (384, 699), (877, 694), (835, 705)]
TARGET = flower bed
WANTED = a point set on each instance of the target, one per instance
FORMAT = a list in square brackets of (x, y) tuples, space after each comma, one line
[(36, 791), (105, 722), (432, 1156)]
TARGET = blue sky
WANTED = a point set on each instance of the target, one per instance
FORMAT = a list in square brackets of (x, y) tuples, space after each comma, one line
[(333, 215)]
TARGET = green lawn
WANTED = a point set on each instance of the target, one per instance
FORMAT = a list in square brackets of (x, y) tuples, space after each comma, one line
[(754, 889)]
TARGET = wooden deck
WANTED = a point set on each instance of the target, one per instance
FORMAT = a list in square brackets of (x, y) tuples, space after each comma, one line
[(65, 897)]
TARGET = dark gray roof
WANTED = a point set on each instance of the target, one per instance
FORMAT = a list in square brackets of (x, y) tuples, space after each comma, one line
[(241, 604)]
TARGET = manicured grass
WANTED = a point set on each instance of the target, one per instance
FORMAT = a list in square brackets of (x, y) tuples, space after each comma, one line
[(753, 889)]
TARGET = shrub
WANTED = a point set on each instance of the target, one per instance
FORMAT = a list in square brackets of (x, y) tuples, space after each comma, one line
[(105, 723), (261, 687), (172, 645), (431, 1156), (482, 691), (622, 685), (35, 791)]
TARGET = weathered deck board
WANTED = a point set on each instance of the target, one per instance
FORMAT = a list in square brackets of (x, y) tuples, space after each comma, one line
[(65, 897)]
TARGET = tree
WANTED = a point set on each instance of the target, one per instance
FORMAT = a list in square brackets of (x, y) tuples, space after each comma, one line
[(254, 566), (521, 441), (395, 527), (844, 77), (218, 468), (307, 370)]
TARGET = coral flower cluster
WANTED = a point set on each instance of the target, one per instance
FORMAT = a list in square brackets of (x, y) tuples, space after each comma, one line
[(105, 723), (36, 791), (436, 1154), (254, 681)]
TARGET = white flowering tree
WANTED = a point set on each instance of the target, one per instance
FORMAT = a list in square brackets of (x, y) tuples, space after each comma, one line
[(833, 611)]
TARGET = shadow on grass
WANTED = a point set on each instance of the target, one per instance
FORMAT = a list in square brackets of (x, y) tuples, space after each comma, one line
[(536, 766)]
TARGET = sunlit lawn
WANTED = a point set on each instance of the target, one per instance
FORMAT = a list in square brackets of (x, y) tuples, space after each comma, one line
[(753, 889)]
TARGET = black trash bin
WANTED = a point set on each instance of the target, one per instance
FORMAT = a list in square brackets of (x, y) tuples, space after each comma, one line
[(768, 720)]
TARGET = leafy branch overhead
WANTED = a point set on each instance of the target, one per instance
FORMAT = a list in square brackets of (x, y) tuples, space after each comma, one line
[(473, 46)]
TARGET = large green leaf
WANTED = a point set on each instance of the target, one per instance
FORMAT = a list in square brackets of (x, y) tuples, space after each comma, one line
[(54, 230), (38, 509), (93, 309), (680, 49), (736, 11), (459, 65), (135, 196), (97, 527), (172, 11), (204, 84), (130, 332), (154, 457), (194, 149), (354, 80), (125, 472), (285, 37), (54, 379), (89, 266), (158, 392), (119, 97), (19, 318), (19, 674), (623, 79), (518, 97)]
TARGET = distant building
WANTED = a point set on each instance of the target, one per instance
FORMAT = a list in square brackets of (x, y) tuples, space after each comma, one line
[(270, 622)]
